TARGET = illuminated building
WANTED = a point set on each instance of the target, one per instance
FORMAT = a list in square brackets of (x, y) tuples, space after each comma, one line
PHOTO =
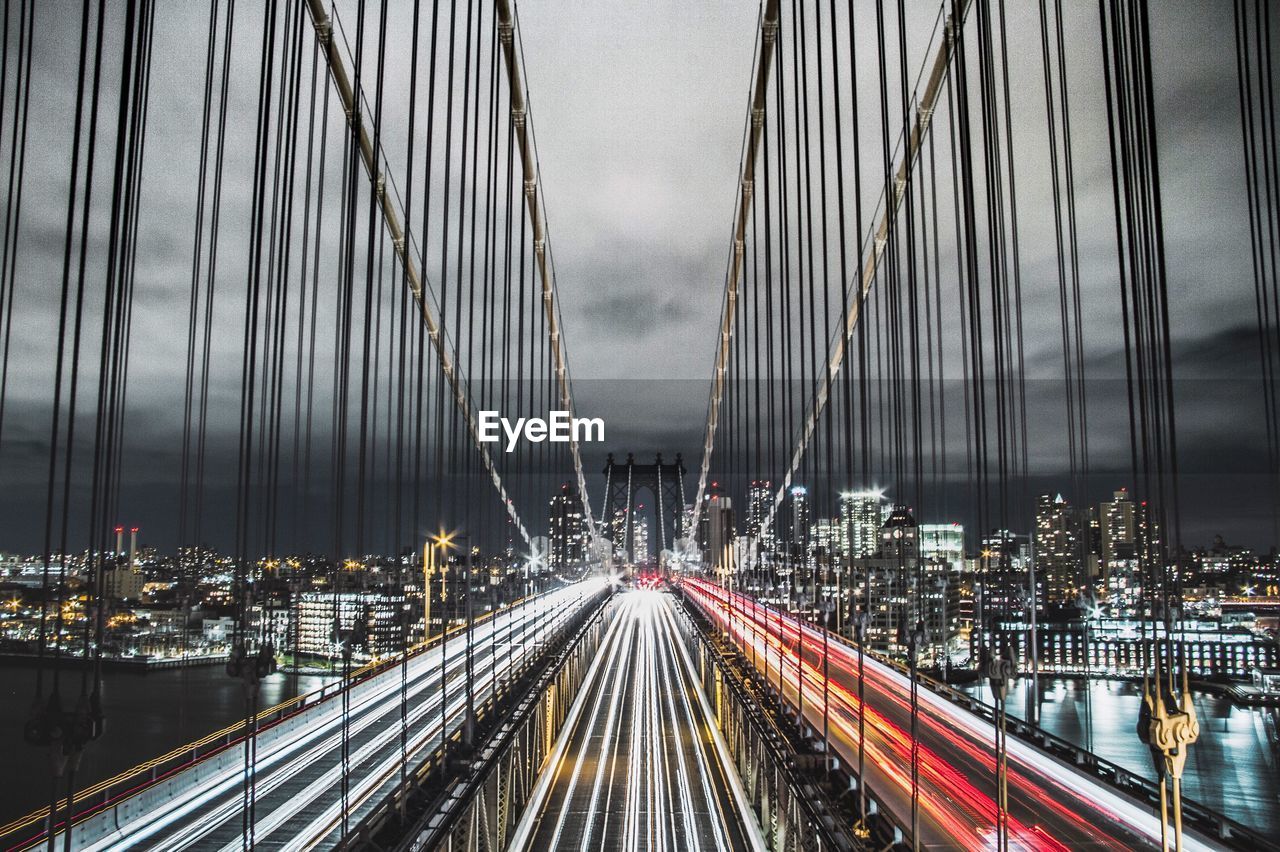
[(826, 538), (799, 537), (901, 590), (368, 620), (759, 502), (640, 541), (1057, 552), (567, 532), (861, 519), (1119, 528), (943, 541), (1120, 532), (1122, 647)]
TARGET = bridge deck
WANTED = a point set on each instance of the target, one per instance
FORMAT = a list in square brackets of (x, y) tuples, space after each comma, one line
[(298, 800), (1052, 804), (637, 766)]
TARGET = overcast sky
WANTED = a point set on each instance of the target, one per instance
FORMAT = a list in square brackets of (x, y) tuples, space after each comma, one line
[(638, 110)]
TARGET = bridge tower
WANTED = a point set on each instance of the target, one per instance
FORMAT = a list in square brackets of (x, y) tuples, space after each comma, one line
[(664, 480)]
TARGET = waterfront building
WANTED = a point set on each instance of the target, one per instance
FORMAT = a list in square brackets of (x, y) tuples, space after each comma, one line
[(902, 591), (1057, 552)]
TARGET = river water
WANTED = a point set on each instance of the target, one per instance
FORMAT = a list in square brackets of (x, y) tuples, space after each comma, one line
[(1234, 768), (147, 714)]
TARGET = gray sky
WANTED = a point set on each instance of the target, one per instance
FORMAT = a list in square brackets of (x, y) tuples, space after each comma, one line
[(638, 111)]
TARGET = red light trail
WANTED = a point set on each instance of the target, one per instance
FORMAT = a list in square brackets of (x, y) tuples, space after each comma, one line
[(1053, 805)]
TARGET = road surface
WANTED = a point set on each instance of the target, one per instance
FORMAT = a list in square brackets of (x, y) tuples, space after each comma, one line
[(639, 763), (298, 789), (1052, 804)]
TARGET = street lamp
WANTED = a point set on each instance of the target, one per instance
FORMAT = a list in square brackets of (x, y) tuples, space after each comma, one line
[(469, 720), (440, 541)]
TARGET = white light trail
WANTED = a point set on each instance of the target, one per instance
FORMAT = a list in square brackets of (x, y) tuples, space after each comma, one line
[(208, 803), (641, 702)]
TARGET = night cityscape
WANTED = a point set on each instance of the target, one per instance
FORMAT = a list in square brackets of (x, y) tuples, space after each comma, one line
[(1088, 588), (882, 454)]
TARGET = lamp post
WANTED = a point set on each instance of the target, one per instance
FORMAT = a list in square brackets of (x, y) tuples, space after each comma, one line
[(944, 586), (726, 581), (1033, 658), (469, 720), (827, 606), (428, 570), (443, 541)]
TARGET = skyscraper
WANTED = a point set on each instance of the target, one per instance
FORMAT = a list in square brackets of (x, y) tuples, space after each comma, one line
[(1119, 534), (1119, 531), (799, 520), (759, 502), (567, 528), (719, 552), (899, 589), (899, 537), (1057, 550), (860, 518), (639, 539), (826, 537), (943, 541)]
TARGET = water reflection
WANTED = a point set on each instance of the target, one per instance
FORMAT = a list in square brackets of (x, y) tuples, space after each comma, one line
[(1234, 768), (147, 715)]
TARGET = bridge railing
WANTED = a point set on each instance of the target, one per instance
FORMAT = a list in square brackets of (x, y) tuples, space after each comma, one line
[(483, 805)]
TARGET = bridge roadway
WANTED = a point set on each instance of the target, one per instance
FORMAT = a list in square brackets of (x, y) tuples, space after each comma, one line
[(1053, 805), (298, 772), (640, 763)]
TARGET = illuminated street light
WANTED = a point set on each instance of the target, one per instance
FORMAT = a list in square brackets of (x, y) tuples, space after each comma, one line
[(439, 541)]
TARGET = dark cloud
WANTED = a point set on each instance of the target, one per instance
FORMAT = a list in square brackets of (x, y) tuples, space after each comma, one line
[(638, 110)]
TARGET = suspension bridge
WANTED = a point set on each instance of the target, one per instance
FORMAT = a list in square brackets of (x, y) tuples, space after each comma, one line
[(272, 270)]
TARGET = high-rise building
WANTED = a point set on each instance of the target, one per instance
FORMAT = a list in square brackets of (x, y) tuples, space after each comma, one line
[(691, 542), (368, 620), (1058, 561), (639, 539), (719, 553), (860, 519), (1119, 538), (618, 533), (1002, 577), (899, 537), (567, 532), (1119, 528), (945, 542), (759, 502), (902, 590), (799, 538), (826, 537)]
